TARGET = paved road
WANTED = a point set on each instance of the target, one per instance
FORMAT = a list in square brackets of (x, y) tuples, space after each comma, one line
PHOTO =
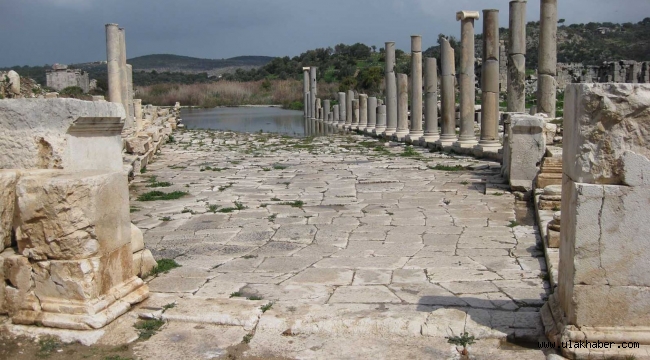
[(355, 249)]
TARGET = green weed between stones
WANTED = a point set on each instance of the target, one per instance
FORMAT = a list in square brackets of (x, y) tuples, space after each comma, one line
[(159, 195), (48, 345), (164, 265), (148, 328), (266, 307)]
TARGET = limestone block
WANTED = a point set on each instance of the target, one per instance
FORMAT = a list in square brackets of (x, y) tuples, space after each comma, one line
[(8, 180), (60, 133), (526, 146), (553, 238), (602, 122), (604, 252), (138, 145), (52, 95), (154, 132), (98, 98), (65, 215), (58, 281), (550, 130), (17, 283), (143, 263), (14, 79), (137, 239)]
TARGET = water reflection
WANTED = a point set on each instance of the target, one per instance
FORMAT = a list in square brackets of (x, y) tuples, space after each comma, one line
[(246, 119), (254, 119)]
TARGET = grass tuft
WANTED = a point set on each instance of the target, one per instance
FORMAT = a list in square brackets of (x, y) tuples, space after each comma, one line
[(164, 265), (159, 195), (148, 328)]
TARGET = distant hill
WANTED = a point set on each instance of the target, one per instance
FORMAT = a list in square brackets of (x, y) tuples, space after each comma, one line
[(186, 64)]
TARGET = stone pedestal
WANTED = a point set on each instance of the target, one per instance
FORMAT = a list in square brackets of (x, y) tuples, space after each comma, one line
[(604, 255), (550, 172), (74, 243), (467, 79), (431, 133), (526, 148), (415, 131), (448, 96), (402, 107), (326, 111), (553, 231), (335, 115)]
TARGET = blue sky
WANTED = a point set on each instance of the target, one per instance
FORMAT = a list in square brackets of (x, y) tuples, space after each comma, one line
[(36, 32)]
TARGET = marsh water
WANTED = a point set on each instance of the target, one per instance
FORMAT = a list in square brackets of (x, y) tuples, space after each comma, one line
[(247, 119)]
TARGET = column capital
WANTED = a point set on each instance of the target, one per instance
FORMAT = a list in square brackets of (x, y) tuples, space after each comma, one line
[(463, 15)]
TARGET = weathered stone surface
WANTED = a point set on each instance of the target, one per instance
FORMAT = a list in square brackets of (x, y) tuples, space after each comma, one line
[(604, 254), (137, 239), (526, 146), (45, 133), (139, 145), (8, 180), (602, 122), (14, 79), (143, 263), (71, 215)]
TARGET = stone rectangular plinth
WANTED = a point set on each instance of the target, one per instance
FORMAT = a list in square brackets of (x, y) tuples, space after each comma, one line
[(60, 133), (526, 148), (73, 267), (71, 215)]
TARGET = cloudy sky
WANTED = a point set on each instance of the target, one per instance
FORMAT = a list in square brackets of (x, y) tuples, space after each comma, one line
[(36, 32)]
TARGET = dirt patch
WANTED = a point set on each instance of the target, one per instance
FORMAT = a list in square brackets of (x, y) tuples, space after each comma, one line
[(237, 353), (24, 348)]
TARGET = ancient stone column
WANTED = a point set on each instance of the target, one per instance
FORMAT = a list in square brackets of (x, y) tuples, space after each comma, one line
[(342, 108), (318, 109), (335, 117), (431, 133), (137, 113), (448, 96), (349, 110), (372, 114), (381, 120), (415, 131), (489, 142), (355, 114), (113, 60), (124, 80), (467, 79), (517, 57), (305, 88), (363, 112), (129, 88), (391, 90), (307, 101), (402, 107), (326, 111), (313, 89), (547, 69)]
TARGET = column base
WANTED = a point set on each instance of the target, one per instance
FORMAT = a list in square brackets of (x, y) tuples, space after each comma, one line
[(86, 315), (446, 142), (488, 150), (400, 135), (389, 132), (426, 139), (557, 330), (464, 146), (414, 137), (378, 130)]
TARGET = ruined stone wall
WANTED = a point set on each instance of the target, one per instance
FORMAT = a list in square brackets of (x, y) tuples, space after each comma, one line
[(61, 79)]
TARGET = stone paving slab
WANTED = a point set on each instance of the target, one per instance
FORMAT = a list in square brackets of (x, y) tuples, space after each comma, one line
[(346, 246)]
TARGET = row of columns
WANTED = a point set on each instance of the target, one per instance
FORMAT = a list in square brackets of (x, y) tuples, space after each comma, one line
[(391, 120)]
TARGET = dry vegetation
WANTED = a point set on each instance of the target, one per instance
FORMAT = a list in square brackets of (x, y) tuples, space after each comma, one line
[(287, 93)]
